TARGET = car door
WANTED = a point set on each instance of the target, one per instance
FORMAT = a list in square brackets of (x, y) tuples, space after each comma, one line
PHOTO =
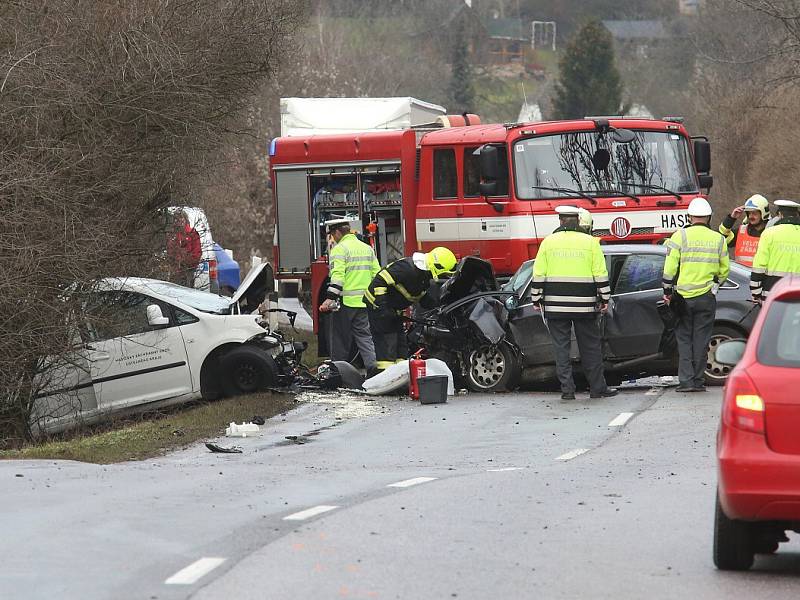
[(527, 326), (632, 326), (131, 361)]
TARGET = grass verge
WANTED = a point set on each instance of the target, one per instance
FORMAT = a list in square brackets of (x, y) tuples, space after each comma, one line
[(155, 433)]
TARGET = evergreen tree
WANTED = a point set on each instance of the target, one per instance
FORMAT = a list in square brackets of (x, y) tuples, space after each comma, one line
[(461, 90), (589, 82)]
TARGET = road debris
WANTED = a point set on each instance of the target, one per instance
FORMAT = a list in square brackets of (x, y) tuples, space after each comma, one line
[(243, 430), (222, 450)]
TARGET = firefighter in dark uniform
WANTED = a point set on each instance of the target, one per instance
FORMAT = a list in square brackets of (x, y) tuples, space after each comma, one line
[(396, 287), (570, 280)]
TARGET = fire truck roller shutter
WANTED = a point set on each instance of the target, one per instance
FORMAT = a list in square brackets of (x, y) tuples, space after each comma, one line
[(294, 236)]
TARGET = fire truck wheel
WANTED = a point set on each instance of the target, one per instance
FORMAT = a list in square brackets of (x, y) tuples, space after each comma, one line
[(493, 369), (247, 369)]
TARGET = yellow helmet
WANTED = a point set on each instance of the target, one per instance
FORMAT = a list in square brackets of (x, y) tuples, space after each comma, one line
[(440, 261)]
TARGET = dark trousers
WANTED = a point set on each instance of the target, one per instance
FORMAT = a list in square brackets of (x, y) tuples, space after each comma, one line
[(693, 334), (388, 335), (587, 334), (350, 325)]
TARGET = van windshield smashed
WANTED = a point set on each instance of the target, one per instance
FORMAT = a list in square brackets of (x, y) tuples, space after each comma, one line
[(197, 299), (594, 163)]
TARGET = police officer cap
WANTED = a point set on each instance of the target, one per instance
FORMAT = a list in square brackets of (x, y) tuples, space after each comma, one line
[(568, 210), (336, 223), (787, 204)]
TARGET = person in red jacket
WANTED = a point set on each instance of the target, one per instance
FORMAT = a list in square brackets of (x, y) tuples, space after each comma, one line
[(184, 250)]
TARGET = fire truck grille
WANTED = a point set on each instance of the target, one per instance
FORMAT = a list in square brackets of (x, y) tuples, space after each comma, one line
[(634, 231)]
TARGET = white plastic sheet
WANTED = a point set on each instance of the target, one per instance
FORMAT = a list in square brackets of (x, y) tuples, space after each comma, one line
[(434, 366), (393, 378), (397, 377)]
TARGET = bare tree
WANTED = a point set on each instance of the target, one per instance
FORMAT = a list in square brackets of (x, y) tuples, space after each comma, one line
[(110, 109)]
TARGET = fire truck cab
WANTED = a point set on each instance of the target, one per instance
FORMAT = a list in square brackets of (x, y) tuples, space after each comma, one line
[(482, 190)]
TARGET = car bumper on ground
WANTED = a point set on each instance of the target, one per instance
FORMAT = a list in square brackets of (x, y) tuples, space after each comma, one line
[(756, 483)]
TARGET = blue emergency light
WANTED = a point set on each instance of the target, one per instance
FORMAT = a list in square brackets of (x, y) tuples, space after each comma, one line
[(273, 146)]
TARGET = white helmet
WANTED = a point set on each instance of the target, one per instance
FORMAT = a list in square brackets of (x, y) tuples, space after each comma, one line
[(585, 219), (699, 207), (757, 202)]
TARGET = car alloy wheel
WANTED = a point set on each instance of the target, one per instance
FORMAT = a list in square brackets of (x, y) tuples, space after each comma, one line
[(716, 373), (492, 369)]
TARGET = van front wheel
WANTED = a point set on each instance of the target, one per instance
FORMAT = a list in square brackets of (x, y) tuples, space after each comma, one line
[(247, 369)]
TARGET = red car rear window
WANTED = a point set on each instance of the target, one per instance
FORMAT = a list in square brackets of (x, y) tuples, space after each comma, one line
[(779, 344)]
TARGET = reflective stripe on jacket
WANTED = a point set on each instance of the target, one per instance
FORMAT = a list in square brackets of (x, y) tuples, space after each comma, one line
[(698, 257), (353, 265), (398, 285), (569, 274), (746, 246), (778, 254)]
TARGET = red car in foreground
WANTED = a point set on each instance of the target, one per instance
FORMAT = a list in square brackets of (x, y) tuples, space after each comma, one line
[(758, 443)]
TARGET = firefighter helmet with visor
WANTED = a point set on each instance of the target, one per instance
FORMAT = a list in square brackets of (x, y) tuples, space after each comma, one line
[(757, 202), (440, 261)]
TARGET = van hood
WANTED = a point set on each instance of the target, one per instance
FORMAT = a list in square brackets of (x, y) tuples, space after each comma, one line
[(259, 282)]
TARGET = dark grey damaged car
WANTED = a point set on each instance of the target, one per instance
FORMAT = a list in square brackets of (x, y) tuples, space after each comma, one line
[(635, 342)]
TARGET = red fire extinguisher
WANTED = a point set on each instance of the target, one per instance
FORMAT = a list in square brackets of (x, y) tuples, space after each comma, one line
[(416, 369)]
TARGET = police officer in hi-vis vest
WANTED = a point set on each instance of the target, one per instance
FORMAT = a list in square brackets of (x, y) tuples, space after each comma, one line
[(778, 252), (570, 284)]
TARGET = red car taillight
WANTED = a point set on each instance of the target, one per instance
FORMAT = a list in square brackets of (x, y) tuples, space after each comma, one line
[(742, 407), (212, 270)]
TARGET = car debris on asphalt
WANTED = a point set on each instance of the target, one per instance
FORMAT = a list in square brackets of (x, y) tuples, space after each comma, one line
[(217, 449)]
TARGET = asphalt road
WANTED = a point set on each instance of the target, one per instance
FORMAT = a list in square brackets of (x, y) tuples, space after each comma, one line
[(508, 496)]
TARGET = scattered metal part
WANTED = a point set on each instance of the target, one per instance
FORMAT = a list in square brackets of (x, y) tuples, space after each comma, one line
[(222, 450), (297, 439)]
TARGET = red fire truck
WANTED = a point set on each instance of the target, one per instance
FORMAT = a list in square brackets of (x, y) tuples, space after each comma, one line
[(483, 190)]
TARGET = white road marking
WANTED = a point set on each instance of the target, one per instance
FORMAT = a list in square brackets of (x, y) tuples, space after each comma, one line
[(309, 512), (195, 571), (410, 482), (620, 419), (653, 392), (503, 469), (572, 454)]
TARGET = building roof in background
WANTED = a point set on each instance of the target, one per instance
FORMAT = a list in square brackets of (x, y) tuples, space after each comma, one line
[(508, 29), (637, 30)]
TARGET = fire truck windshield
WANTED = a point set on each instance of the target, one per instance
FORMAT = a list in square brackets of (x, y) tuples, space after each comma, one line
[(654, 163)]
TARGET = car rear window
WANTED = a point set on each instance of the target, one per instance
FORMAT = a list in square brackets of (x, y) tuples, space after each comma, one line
[(779, 343)]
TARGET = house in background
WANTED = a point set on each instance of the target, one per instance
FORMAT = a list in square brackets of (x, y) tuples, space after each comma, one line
[(506, 40), (637, 36)]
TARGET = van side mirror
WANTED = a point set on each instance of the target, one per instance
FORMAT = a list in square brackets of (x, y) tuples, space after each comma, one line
[(155, 318), (702, 156), (706, 181), (730, 352)]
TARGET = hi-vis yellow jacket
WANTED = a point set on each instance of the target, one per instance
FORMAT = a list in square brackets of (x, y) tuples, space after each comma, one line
[(569, 275), (778, 255), (353, 265), (701, 256)]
